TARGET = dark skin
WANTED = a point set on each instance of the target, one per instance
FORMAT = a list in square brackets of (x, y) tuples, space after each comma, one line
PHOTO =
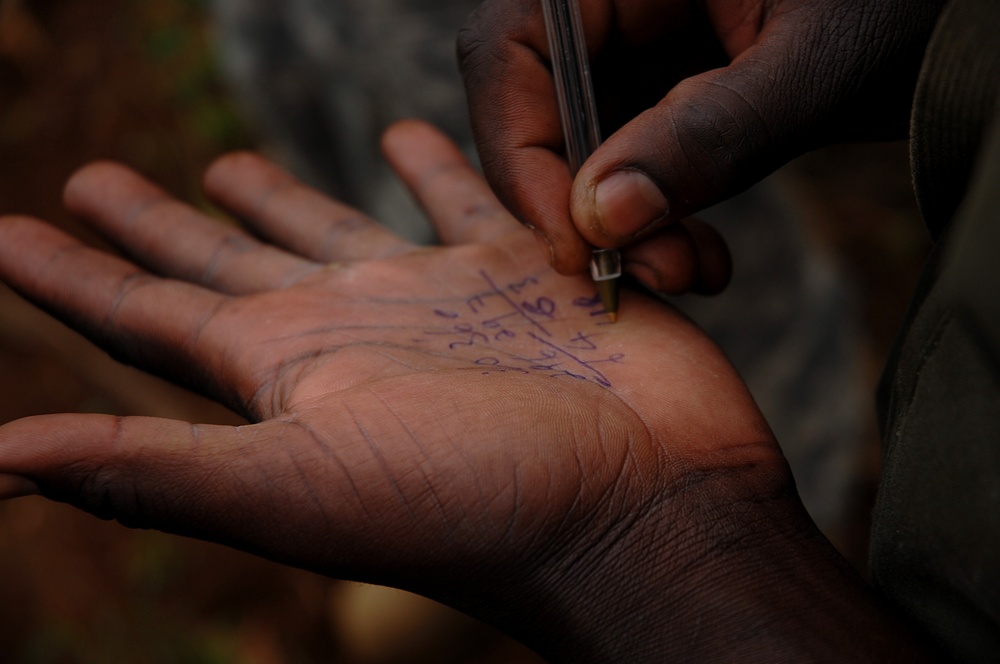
[(458, 421), (699, 101)]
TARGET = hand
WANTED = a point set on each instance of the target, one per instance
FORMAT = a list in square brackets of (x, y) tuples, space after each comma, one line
[(698, 101), (461, 422)]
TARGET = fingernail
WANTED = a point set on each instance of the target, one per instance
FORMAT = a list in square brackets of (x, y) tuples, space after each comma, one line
[(14, 486), (626, 202)]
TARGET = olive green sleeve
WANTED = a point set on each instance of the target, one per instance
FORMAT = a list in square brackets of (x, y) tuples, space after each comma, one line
[(936, 534), (955, 100)]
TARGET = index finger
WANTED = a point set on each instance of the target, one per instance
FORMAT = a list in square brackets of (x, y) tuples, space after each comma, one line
[(457, 200), (503, 53)]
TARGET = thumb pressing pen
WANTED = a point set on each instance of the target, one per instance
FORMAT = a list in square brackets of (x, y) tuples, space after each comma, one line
[(578, 112)]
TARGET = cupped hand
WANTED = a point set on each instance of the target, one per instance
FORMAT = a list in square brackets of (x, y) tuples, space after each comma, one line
[(460, 421), (698, 101)]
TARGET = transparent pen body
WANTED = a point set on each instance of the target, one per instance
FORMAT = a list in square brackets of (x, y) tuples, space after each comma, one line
[(577, 108)]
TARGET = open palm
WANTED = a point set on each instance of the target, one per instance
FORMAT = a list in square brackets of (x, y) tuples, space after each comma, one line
[(460, 421)]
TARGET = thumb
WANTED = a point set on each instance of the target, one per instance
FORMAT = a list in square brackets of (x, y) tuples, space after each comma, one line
[(281, 488), (230, 485), (815, 75), (142, 471), (712, 136)]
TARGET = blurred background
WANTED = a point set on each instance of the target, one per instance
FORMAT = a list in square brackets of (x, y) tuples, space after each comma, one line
[(143, 82)]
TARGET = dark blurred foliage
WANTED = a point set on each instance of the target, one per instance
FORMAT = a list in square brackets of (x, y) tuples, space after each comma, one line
[(135, 81)]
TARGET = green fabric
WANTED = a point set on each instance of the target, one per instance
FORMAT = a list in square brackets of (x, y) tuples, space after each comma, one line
[(936, 534), (955, 101), (936, 537)]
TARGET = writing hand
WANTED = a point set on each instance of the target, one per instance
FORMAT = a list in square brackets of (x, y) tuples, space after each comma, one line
[(460, 422), (698, 101)]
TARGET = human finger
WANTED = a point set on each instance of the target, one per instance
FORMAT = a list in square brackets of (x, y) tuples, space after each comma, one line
[(294, 216), (15, 486), (219, 483), (809, 78), (690, 256), (457, 200), (161, 325), (172, 238), (515, 120), (800, 75), (321, 491)]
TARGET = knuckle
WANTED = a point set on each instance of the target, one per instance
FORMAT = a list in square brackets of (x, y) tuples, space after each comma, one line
[(720, 128), (721, 121), (104, 491), (491, 30), (474, 35)]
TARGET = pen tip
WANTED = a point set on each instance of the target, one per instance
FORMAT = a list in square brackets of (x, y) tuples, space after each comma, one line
[(608, 291)]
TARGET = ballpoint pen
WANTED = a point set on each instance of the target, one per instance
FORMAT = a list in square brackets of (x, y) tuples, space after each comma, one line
[(578, 112)]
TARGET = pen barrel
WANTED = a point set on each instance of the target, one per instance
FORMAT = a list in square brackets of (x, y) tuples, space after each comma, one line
[(571, 71), (578, 112)]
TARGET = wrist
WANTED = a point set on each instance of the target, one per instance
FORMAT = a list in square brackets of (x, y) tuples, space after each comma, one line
[(726, 566)]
